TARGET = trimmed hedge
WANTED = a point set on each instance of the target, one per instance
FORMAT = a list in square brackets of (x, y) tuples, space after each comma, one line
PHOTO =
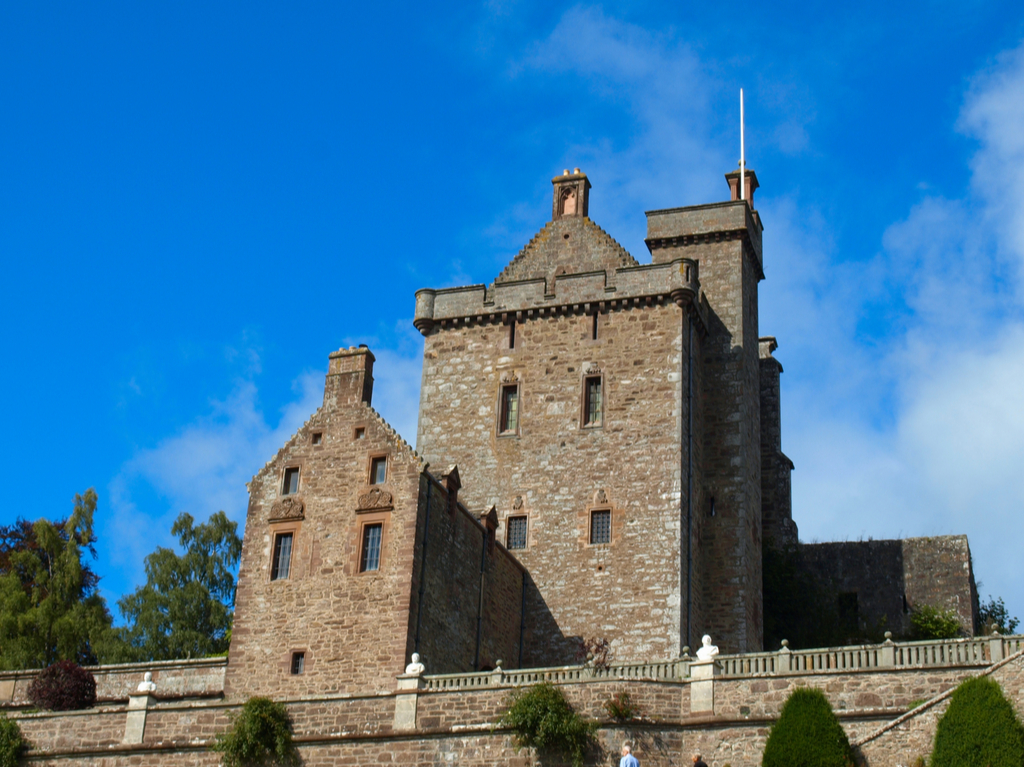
[(12, 744), (542, 718), (260, 735), (979, 727), (63, 686), (807, 733)]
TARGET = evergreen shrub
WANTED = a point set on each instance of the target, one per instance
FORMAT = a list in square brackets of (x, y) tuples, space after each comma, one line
[(931, 623), (12, 743), (540, 717), (63, 686), (260, 735), (807, 733), (979, 727)]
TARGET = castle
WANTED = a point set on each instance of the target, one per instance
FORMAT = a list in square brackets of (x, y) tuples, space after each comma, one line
[(599, 454)]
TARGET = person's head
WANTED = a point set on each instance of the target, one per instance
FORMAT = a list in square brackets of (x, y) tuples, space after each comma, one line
[(696, 758), (626, 748)]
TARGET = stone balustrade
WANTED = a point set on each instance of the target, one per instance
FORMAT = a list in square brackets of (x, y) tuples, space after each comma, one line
[(958, 652)]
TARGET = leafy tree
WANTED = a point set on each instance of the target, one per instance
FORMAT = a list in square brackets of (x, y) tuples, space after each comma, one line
[(50, 608), (260, 735), (184, 608), (540, 717), (63, 686), (979, 727), (931, 623), (993, 617), (807, 733), (12, 744)]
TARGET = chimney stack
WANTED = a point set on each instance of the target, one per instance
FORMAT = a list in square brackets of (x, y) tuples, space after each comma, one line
[(349, 377), (734, 185), (572, 195)]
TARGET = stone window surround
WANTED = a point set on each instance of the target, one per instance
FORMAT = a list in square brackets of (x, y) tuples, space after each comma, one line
[(370, 459), (316, 438), (286, 661), (502, 386), (595, 373), (617, 521), (529, 529), (363, 519), (297, 466), (276, 529)]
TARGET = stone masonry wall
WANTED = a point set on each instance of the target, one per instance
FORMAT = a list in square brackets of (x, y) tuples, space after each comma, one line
[(456, 727), (193, 678), (725, 241), (938, 571), (352, 626), (776, 468), (555, 472), (447, 630)]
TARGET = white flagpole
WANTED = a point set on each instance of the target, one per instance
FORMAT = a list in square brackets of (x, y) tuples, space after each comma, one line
[(743, 157)]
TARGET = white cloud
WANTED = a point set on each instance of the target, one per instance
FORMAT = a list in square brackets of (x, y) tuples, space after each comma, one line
[(201, 469)]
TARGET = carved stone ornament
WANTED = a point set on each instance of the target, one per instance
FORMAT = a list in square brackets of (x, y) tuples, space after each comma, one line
[(509, 377), (601, 497), (518, 503), (592, 368), (288, 508), (376, 499)]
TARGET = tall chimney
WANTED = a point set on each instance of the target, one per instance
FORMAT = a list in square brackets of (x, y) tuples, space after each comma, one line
[(734, 185), (349, 377)]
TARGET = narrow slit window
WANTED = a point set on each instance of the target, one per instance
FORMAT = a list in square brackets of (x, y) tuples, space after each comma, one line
[(592, 406), (298, 663), (370, 559), (378, 470), (593, 328), (509, 409), (601, 526), (516, 533), (282, 564), (512, 334), (291, 481)]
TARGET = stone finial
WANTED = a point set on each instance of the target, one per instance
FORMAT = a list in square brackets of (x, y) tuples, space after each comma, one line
[(707, 651), (415, 667), (147, 685)]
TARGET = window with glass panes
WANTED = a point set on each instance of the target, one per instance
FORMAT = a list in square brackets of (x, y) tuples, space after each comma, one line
[(370, 560), (592, 409), (516, 533), (601, 526), (282, 564), (509, 421), (291, 481), (378, 470)]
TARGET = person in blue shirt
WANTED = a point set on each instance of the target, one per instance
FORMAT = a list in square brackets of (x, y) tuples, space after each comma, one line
[(628, 761)]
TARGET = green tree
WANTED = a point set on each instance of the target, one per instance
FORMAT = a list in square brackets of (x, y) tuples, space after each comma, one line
[(260, 735), (184, 610), (50, 609), (993, 617), (542, 718), (979, 727), (807, 733), (931, 623)]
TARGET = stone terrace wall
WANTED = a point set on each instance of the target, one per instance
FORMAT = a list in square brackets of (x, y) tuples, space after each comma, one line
[(116, 682)]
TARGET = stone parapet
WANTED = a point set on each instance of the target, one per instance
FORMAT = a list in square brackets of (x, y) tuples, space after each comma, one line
[(584, 292), (695, 225)]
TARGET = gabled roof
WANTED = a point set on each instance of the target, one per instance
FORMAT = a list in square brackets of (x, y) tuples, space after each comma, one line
[(567, 245)]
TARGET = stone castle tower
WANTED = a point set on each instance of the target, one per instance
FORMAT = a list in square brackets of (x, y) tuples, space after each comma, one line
[(599, 455)]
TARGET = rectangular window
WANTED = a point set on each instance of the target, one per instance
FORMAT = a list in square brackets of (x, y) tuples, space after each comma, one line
[(370, 559), (592, 409), (516, 533), (512, 334), (318, 437), (601, 526), (509, 409), (291, 481), (282, 564), (593, 328), (298, 663), (378, 470)]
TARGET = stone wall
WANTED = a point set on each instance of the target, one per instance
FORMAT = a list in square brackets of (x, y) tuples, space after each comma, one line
[(555, 471), (352, 626), (192, 678), (776, 468), (456, 726), (886, 579)]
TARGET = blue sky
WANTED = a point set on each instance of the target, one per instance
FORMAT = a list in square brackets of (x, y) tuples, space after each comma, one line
[(200, 201)]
